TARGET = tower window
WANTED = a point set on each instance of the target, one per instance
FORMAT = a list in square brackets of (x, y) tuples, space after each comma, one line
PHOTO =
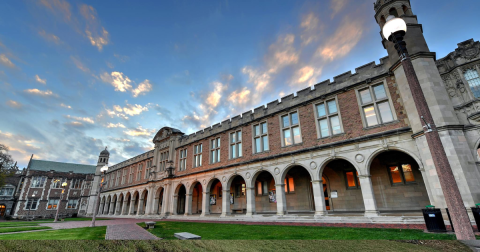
[(473, 81), (393, 12)]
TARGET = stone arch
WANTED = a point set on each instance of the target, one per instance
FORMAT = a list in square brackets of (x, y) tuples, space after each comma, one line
[(179, 198), (290, 166), (177, 188), (192, 186), (330, 159), (210, 182), (297, 191), (263, 184), (368, 162), (195, 192), (231, 178), (393, 11), (407, 10), (158, 200), (127, 202), (255, 176)]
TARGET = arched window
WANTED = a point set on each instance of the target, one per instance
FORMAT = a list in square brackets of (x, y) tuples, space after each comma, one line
[(393, 12), (473, 80)]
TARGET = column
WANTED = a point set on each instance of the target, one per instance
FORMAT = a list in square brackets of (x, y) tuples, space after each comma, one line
[(111, 209), (165, 200), (140, 207), (100, 208), (132, 207), (281, 199), (368, 196), (150, 204), (188, 204), (174, 204), (206, 204), (155, 206), (124, 207), (250, 194), (118, 208), (105, 208), (225, 203), (319, 198)]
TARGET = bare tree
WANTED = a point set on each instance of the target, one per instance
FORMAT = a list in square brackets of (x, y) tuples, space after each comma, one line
[(7, 166)]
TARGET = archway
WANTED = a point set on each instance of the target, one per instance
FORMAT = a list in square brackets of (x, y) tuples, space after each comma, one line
[(181, 198), (128, 203), (237, 198), (398, 184), (215, 197), (159, 201), (106, 208), (142, 204), (341, 187), (298, 190), (101, 205), (113, 209), (265, 193), (120, 204), (196, 193), (136, 201)]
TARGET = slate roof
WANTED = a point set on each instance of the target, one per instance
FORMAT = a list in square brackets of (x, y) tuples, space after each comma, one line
[(42, 165)]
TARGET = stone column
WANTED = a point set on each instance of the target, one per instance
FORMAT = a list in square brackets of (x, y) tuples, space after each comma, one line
[(281, 199), (188, 204), (132, 207), (118, 208), (124, 207), (319, 198), (100, 208), (174, 204), (166, 202), (368, 196), (105, 208), (250, 193), (206, 204), (140, 208), (225, 203), (111, 209), (150, 204), (155, 206)]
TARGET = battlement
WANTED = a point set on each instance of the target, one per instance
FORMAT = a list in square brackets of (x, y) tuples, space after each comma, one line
[(321, 90)]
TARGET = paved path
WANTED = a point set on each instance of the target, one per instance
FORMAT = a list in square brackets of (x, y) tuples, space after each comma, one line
[(128, 232)]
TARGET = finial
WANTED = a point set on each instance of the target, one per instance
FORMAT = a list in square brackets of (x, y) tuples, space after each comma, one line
[(106, 147)]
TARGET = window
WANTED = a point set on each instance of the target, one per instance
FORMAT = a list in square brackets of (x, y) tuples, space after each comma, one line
[(124, 176), (52, 204), (215, 150), (260, 137), (236, 144), (119, 173), (197, 155), (183, 160), (376, 107), (72, 204), (32, 204), (139, 172), (352, 180), (473, 81), (291, 129), (240, 190), (328, 118), (401, 174), (262, 188), (8, 191), (289, 185), (163, 160), (21, 184), (130, 175), (57, 183), (77, 183), (38, 181), (112, 180)]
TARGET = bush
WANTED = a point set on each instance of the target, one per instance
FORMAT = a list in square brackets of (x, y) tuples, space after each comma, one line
[(74, 215), (8, 217)]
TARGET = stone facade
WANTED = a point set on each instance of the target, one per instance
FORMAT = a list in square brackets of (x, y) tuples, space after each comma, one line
[(375, 169)]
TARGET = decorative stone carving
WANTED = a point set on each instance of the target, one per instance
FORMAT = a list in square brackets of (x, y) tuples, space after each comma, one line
[(277, 171), (204, 182), (247, 175), (359, 158), (224, 179), (313, 165)]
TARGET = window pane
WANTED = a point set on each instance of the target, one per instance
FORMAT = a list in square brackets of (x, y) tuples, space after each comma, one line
[(265, 143), (287, 138), (395, 174), (286, 185), (239, 136), (200, 149), (370, 116), (239, 148), (350, 179), (285, 121), (200, 160), (265, 187), (213, 144), (232, 151), (218, 155), (264, 128), (324, 128), (379, 92), (365, 96), (296, 135), (218, 142), (473, 81), (408, 173), (232, 138), (294, 118), (258, 148), (291, 186), (256, 128), (335, 123), (332, 106), (212, 157), (385, 112), (321, 110), (259, 188)]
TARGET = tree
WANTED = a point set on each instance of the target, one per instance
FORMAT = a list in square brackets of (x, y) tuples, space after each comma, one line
[(7, 166)]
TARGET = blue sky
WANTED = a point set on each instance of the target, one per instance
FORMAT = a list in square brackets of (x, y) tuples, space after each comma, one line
[(76, 76)]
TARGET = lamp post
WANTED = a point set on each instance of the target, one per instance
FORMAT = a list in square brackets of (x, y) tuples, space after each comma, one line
[(394, 30), (102, 183), (64, 184), (30, 207)]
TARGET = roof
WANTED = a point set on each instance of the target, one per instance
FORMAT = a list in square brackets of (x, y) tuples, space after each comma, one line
[(42, 165)]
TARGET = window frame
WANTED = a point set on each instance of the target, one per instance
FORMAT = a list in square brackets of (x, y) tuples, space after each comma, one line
[(36, 200), (163, 160), (58, 181), (183, 159), (216, 149), (287, 185), (290, 127), (68, 204), (374, 103), (43, 179), (48, 204), (327, 116), (5, 190), (402, 175), (477, 71), (261, 136), (236, 144), (197, 154), (356, 179), (139, 171), (119, 175)]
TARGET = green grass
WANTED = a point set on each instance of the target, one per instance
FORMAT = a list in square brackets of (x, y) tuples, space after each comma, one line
[(216, 231), (234, 245), (19, 229), (18, 224), (73, 219), (87, 233)]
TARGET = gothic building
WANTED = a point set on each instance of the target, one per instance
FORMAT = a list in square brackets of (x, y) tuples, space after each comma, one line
[(351, 146)]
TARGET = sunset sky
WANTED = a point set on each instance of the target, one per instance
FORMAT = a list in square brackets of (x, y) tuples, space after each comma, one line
[(76, 76)]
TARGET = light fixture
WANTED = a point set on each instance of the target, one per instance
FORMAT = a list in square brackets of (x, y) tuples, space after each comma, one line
[(104, 168), (394, 26), (64, 184)]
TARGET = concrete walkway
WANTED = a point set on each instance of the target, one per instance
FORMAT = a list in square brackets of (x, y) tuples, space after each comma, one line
[(128, 232)]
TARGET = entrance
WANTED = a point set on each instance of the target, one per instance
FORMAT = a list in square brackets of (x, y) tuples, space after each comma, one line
[(2, 210), (181, 200)]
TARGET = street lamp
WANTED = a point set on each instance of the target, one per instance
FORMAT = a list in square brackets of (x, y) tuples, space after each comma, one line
[(394, 30), (64, 184), (30, 207), (102, 183)]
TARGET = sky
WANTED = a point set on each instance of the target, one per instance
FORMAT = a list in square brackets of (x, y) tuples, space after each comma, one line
[(76, 76)]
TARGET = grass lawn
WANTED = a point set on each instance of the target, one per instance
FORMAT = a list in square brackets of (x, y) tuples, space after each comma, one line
[(217, 231), (232, 245), (73, 219), (18, 224), (87, 233), (19, 229)]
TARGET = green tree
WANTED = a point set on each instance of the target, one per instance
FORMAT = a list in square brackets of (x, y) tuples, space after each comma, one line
[(7, 166)]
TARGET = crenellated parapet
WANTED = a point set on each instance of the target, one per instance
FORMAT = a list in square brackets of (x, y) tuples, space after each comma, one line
[(363, 74), (466, 52)]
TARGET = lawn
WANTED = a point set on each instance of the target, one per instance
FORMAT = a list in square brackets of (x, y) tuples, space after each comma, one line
[(20, 229), (87, 233), (73, 219), (217, 231), (35, 223)]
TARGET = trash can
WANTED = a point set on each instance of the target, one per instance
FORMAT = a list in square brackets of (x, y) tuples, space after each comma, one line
[(476, 215), (434, 219)]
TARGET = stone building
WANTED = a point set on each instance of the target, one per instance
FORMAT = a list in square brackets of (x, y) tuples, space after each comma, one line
[(40, 189), (352, 146), (9, 195)]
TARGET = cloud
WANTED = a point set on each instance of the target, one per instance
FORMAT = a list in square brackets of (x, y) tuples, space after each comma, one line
[(59, 7), (337, 6), (50, 37), (65, 106), (82, 119), (118, 125), (282, 53), (121, 58), (79, 64), (122, 83), (142, 88), (46, 93), (214, 97), (4, 60), (140, 132), (40, 80), (306, 75), (133, 110), (97, 35), (239, 97), (14, 104), (129, 109), (311, 28)]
